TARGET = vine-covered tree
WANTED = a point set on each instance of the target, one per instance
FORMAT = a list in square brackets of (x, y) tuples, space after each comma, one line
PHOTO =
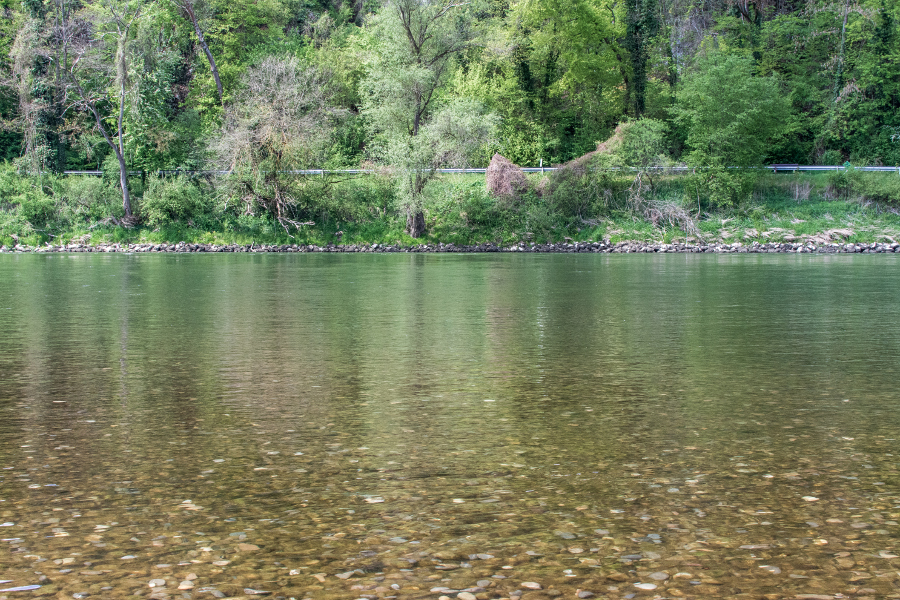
[(98, 85)]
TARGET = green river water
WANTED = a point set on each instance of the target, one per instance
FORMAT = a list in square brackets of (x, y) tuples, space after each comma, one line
[(471, 426)]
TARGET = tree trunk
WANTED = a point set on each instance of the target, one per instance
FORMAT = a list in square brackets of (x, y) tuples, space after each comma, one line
[(120, 151), (415, 222), (189, 9), (123, 180)]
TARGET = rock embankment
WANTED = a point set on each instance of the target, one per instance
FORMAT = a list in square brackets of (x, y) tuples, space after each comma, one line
[(570, 247)]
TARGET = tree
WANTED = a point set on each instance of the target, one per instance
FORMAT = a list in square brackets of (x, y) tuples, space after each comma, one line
[(189, 9), (731, 116), (39, 61), (98, 87), (413, 45), (643, 24), (24, 55), (279, 121), (573, 68)]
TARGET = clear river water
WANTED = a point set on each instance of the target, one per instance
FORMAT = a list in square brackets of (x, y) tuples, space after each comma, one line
[(466, 426)]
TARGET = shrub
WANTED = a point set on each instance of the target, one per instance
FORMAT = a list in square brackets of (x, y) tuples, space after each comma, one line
[(731, 117), (831, 157), (84, 199), (724, 188), (26, 197), (171, 199), (582, 187), (875, 187), (643, 143)]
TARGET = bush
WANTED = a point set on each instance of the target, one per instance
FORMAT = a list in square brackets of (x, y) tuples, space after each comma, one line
[(831, 158), (725, 188), (26, 197), (582, 187), (868, 186), (83, 199), (643, 143), (172, 199), (839, 182)]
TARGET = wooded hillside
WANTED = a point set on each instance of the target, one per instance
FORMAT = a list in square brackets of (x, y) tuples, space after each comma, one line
[(263, 87)]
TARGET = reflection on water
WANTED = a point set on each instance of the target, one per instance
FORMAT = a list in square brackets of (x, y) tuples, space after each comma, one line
[(474, 426)]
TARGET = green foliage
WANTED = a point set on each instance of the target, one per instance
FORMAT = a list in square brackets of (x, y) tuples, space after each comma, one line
[(412, 46), (175, 199), (280, 121), (644, 143), (865, 186), (27, 198), (86, 200), (731, 115), (724, 188), (583, 188), (535, 81), (878, 187)]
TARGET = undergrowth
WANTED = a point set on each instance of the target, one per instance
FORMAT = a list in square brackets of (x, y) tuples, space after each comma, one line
[(845, 206)]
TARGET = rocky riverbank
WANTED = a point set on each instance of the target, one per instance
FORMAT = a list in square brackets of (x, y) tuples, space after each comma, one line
[(605, 247)]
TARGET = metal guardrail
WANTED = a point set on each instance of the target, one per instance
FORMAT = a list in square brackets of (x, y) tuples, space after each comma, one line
[(777, 168)]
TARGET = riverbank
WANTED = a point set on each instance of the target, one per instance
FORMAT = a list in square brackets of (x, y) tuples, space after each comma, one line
[(786, 212), (605, 247)]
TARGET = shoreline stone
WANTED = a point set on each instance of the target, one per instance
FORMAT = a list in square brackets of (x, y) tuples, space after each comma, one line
[(602, 247)]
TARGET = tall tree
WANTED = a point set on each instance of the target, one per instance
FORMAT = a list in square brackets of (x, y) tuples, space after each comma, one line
[(98, 87), (642, 25), (24, 56), (413, 45), (573, 60)]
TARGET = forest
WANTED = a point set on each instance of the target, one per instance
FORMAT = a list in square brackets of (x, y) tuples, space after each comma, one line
[(199, 113)]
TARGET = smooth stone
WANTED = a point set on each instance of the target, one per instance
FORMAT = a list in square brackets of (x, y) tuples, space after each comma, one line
[(565, 535), (585, 594), (645, 586), (531, 585), (659, 576), (466, 596), (483, 583), (157, 583)]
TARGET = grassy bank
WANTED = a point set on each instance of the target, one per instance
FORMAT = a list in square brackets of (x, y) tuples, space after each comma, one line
[(816, 207)]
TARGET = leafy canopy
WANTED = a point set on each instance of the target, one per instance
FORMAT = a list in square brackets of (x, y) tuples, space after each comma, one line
[(731, 116)]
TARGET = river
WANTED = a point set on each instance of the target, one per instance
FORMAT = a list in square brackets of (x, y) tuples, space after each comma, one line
[(473, 426)]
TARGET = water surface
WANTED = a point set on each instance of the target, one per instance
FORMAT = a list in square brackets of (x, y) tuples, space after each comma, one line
[(334, 426)]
